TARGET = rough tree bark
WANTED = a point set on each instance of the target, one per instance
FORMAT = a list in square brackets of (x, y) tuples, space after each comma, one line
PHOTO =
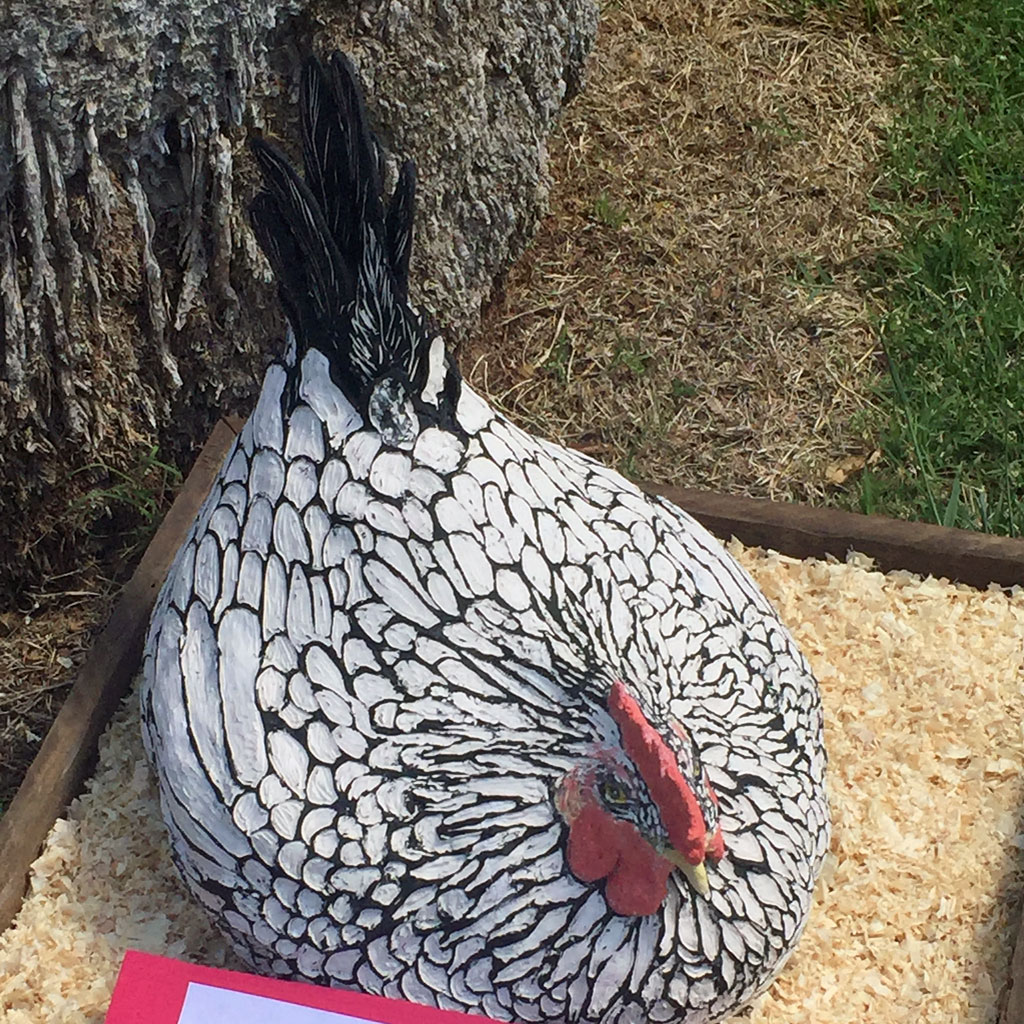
[(134, 305)]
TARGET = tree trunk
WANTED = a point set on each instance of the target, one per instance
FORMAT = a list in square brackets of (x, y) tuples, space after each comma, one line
[(134, 305)]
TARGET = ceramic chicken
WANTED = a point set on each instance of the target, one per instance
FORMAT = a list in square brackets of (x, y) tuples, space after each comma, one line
[(444, 711)]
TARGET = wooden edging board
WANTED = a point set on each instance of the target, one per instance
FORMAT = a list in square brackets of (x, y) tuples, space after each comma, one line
[(67, 754), (801, 531)]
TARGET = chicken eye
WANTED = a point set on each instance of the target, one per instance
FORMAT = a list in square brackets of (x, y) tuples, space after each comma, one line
[(614, 793)]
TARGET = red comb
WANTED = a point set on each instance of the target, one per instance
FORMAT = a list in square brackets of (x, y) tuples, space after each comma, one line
[(660, 770)]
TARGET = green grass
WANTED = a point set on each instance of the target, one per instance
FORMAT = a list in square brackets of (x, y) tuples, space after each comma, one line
[(129, 502), (608, 213), (558, 360), (953, 292), (632, 356)]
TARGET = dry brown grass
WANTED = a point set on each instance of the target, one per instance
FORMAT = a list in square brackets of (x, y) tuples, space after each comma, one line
[(689, 312), (43, 640)]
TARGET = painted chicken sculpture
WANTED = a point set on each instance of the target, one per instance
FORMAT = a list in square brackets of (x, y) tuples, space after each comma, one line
[(443, 711)]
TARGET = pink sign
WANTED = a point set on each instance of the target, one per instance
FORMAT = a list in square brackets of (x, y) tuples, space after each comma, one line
[(157, 990)]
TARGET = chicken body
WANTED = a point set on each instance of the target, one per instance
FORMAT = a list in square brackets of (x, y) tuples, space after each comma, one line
[(444, 711)]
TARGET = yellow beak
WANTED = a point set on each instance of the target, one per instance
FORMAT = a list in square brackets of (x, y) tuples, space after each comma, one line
[(696, 874)]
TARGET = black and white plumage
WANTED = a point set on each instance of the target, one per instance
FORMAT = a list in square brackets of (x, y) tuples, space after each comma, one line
[(444, 711)]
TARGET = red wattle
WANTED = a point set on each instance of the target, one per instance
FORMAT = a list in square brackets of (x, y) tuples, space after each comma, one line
[(640, 884), (601, 846), (593, 848)]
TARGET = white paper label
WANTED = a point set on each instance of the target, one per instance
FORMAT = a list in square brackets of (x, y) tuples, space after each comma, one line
[(206, 1004)]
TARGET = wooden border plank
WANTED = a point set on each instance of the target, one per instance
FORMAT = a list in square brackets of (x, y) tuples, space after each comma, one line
[(66, 756), (805, 532)]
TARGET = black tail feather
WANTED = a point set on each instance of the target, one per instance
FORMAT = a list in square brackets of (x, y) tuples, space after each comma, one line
[(341, 260), (341, 156), (291, 230), (398, 227)]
